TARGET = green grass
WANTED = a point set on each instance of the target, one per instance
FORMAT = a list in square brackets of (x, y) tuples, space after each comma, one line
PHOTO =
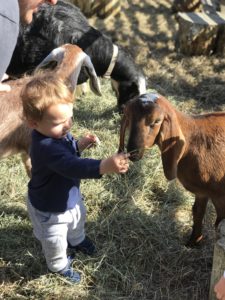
[(139, 222)]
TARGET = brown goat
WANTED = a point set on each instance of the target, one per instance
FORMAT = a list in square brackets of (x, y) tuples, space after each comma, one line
[(192, 150), (14, 134)]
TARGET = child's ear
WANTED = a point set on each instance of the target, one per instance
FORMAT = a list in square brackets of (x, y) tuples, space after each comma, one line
[(31, 123)]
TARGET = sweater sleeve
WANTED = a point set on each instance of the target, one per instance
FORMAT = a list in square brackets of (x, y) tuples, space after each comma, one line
[(64, 162)]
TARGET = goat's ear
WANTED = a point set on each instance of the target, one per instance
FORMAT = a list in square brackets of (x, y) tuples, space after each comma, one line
[(123, 126), (56, 54), (172, 144), (94, 81), (31, 123)]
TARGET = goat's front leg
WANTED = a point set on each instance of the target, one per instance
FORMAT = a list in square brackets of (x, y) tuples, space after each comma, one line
[(27, 163), (198, 211)]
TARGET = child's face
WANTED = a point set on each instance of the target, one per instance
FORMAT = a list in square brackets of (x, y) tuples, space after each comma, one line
[(56, 121)]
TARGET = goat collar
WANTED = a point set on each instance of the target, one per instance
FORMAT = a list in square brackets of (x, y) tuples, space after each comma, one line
[(112, 62)]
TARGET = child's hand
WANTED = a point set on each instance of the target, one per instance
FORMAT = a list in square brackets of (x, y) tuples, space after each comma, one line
[(87, 142), (118, 163), (4, 87)]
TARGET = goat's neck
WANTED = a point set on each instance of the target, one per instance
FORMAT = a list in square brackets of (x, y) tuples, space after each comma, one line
[(100, 51), (125, 68), (187, 125), (199, 130)]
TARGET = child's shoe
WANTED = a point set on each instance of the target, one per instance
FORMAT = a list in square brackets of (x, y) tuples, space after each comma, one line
[(71, 275), (86, 246)]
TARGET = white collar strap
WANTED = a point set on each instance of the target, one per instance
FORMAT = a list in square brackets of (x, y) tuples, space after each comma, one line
[(112, 62)]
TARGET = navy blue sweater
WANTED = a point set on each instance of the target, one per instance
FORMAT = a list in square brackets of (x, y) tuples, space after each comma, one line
[(56, 172)]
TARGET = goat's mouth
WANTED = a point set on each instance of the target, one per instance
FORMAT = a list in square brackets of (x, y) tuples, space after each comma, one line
[(135, 155)]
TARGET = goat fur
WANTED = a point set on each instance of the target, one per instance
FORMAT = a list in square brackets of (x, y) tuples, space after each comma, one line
[(64, 23), (192, 150), (15, 136)]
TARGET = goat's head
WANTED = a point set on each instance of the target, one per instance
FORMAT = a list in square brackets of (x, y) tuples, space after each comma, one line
[(70, 59), (151, 120)]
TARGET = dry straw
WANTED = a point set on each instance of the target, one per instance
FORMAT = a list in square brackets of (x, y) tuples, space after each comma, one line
[(139, 221)]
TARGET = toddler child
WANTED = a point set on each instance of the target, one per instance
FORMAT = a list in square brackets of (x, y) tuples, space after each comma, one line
[(55, 203)]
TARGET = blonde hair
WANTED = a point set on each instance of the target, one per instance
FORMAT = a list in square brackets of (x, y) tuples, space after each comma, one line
[(41, 92)]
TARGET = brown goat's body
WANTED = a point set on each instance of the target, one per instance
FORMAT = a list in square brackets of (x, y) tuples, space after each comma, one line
[(192, 149), (201, 168), (14, 134)]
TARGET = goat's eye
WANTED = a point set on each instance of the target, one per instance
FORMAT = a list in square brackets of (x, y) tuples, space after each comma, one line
[(151, 127), (157, 121)]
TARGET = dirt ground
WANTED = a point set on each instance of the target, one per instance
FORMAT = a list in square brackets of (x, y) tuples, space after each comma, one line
[(148, 30)]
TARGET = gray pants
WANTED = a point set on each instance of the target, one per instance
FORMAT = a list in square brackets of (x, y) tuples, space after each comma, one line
[(54, 230)]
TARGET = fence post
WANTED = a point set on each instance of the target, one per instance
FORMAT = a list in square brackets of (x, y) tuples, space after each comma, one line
[(218, 259)]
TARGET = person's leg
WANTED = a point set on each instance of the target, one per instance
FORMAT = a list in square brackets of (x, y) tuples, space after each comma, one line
[(51, 230), (76, 234)]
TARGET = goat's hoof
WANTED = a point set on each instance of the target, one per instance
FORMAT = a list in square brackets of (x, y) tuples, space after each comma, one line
[(194, 242)]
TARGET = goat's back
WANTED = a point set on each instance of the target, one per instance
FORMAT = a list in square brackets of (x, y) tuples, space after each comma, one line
[(14, 134), (202, 167), (10, 101)]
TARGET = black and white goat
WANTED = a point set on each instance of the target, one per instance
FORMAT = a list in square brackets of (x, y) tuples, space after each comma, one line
[(64, 23)]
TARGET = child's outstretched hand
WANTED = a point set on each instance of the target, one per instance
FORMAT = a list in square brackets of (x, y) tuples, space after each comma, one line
[(118, 163), (219, 288), (88, 141), (4, 87)]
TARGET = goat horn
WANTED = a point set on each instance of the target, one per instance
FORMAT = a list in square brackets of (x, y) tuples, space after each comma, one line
[(55, 55), (123, 127)]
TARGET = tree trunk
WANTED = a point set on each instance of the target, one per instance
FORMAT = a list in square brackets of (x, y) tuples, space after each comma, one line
[(200, 33)]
